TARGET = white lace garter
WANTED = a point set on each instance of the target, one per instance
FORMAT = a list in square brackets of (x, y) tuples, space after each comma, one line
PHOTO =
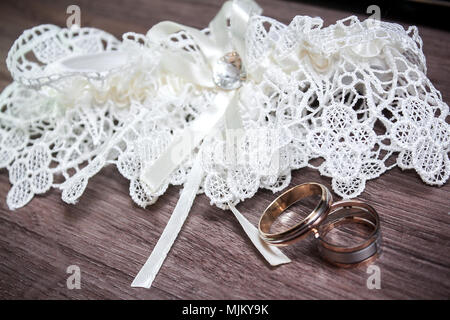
[(225, 110)]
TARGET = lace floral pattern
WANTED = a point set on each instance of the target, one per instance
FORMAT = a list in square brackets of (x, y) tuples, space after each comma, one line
[(354, 94)]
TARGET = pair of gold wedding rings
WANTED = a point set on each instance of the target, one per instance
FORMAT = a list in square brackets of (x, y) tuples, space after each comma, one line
[(325, 217)]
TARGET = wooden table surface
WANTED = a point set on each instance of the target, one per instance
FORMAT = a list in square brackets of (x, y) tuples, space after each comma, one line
[(110, 238)]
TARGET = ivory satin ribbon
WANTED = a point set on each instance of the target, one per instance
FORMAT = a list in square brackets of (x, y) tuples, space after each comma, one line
[(213, 47)]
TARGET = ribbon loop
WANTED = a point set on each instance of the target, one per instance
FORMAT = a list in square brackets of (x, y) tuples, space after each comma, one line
[(183, 144)]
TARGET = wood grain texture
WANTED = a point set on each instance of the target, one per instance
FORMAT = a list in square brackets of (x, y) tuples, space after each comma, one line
[(110, 238)]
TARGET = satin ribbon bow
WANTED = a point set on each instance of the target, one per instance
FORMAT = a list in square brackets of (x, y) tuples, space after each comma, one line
[(226, 34)]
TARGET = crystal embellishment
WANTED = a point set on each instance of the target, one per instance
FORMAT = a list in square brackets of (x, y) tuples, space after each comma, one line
[(228, 72)]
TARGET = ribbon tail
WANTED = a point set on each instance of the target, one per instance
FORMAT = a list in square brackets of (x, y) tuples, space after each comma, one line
[(272, 254), (151, 267)]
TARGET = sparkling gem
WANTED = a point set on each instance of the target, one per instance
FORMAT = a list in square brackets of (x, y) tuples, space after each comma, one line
[(228, 72)]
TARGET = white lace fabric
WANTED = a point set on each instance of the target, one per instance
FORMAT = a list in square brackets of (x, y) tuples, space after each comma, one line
[(354, 94)]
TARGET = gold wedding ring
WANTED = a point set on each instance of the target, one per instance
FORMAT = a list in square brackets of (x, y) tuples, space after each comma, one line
[(325, 217), (287, 199), (350, 212)]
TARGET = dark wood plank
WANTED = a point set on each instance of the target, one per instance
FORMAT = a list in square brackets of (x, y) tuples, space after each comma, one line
[(110, 238)]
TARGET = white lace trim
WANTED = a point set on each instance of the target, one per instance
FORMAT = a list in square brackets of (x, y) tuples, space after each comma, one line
[(354, 95)]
